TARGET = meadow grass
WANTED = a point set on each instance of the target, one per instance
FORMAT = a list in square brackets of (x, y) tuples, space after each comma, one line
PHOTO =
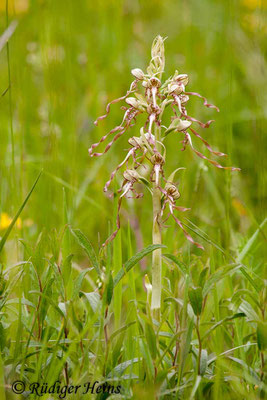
[(70, 311)]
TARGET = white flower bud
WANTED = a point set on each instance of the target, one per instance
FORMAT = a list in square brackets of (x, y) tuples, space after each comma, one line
[(182, 78), (178, 125), (183, 125), (138, 73), (131, 175), (174, 88), (133, 102), (135, 141)]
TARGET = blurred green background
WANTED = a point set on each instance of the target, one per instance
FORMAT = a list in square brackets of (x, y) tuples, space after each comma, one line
[(69, 58)]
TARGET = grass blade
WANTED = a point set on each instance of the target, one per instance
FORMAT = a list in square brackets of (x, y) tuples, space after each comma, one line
[(250, 243), (9, 229), (176, 261)]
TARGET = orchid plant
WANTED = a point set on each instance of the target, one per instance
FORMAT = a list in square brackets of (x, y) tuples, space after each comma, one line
[(150, 96)]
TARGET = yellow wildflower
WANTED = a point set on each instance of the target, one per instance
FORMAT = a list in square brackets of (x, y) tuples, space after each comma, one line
[(5, 221)]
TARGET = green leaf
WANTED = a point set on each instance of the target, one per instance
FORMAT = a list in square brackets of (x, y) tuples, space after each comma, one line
[(134, 260), (66, 268), (4, 238), (225, 353), (250, 243), (109, 290), (202, 277), (151, 340), (195, 387), (183, 268), (120, 330), (86, 245), (203, 361), (121, 368), (78, 283), (262, 336), (147, 359), (195, 297), (93, 299), (257, 285), (246, 308), (245, 292), (50, 301), (185, 346), (218, 275), (22, 301), (47, 291)]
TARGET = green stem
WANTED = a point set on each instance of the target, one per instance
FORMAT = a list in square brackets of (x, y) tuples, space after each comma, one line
[(199, 346), (156, 238)]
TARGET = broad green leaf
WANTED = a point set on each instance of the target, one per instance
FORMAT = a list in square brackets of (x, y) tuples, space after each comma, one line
[(151, 340), (66, 268), (195, 297), (121, 368), (186, 343), (93, 299), (246, 308), (203, 361), (78, 283), (86, 245), (22, 301), (262, 336), (202, 277), (109, 290), (134, 260)]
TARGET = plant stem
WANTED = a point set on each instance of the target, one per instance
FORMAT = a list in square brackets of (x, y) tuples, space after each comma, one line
[(199, 346), (156, 238)]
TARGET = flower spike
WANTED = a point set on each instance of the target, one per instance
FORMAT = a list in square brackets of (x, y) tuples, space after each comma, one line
[(149, 95)]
